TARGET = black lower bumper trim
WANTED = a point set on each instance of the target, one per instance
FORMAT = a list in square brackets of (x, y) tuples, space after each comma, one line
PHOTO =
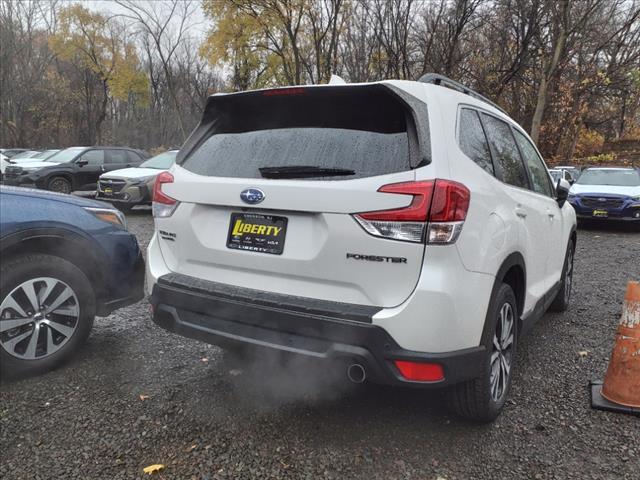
[(136, 291), (234, 322)]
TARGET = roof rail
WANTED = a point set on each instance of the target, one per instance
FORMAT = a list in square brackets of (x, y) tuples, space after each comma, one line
[(437, 79)]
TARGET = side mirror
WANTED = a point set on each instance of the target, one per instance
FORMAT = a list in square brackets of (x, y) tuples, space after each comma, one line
[(562, 191), (82, 163)]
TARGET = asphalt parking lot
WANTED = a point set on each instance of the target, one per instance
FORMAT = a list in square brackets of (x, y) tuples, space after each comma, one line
[(136, 396)]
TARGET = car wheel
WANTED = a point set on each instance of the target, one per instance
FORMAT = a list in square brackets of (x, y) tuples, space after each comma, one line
[(59, 184), (481, 399), (561, 302), (47, 307)]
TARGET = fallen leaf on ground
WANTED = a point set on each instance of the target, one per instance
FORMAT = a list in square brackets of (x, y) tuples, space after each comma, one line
[(153, 468), (144, 397), (583, 353), (204, 359)]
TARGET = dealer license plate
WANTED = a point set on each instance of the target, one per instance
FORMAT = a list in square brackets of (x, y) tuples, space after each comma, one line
[(257, 233), (600, 213)]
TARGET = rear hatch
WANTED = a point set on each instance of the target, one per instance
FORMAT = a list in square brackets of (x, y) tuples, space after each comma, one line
[(269, 183)]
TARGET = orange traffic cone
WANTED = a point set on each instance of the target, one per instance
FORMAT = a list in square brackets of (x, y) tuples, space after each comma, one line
[(621, 389)]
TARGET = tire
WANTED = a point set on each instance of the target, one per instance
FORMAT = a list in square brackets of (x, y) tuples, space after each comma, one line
[(45, 280), (59, 184), (561, 302), (481, 399)]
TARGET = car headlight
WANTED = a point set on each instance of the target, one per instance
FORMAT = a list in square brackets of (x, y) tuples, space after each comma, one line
[(30, 169), (107, 215), (636, 198)]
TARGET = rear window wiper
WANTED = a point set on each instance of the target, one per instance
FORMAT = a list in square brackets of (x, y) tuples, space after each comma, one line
[(303, 171)]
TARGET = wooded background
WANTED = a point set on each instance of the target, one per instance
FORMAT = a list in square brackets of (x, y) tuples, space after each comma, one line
[(567, 70)]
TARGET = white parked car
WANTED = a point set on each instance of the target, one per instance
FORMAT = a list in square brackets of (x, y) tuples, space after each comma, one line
[(557, 174), (405, 231), (6, 154), (32, 156)]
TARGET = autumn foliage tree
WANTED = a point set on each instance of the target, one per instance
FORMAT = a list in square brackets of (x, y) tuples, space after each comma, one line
[(97, 47)]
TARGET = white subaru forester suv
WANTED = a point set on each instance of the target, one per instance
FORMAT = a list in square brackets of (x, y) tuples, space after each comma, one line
[(408, 232)]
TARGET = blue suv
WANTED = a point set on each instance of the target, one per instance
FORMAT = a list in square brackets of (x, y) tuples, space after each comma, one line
[(65, 260)]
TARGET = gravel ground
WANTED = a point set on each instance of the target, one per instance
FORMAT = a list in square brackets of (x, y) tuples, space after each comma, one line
[(136, 395)]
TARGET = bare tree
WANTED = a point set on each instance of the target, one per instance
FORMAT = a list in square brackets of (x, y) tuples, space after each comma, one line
[(166, 24)]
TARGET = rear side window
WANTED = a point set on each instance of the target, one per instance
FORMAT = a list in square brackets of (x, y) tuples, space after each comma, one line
[(117, 156), (133, 156), (505, 152), (366, 130), (472, 140), (537, 169)]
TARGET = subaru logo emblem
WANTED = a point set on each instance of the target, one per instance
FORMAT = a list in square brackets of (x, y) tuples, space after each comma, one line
[(602, 199), (252, 195)]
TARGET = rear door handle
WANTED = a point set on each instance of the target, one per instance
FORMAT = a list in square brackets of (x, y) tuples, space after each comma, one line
[(521, 212)]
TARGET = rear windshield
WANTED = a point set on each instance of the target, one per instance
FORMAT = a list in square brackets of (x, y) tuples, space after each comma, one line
[(362, 132)]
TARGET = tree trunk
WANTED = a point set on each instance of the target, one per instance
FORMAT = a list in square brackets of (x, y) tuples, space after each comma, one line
[(550, 68)]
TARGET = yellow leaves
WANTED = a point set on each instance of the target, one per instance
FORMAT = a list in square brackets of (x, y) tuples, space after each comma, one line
[(96, 43), (235, 32), (126, 80), (589, 142), (155, 468), (254, 37)]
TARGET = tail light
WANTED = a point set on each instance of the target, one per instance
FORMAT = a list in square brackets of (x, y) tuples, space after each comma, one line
[(436, 213), (163, 204)]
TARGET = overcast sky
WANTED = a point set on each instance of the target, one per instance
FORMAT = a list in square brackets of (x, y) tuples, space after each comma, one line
[(198, 20)]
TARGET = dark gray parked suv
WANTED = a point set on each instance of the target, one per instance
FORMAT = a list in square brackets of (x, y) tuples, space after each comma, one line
[(74, 168)]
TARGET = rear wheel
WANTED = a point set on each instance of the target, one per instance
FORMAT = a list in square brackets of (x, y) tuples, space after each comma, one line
[(59, 184), (561, 302), (46, 312), (482, 398)]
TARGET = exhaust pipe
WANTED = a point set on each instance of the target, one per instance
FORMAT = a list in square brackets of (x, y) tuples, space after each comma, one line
[(356, 373)]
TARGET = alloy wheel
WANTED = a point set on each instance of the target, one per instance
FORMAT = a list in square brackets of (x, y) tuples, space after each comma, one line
[(568, 276), (38, 317), (60, 186), (502, 352)]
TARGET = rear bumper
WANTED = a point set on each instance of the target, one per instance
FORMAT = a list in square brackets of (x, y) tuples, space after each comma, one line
[(239, 317)]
